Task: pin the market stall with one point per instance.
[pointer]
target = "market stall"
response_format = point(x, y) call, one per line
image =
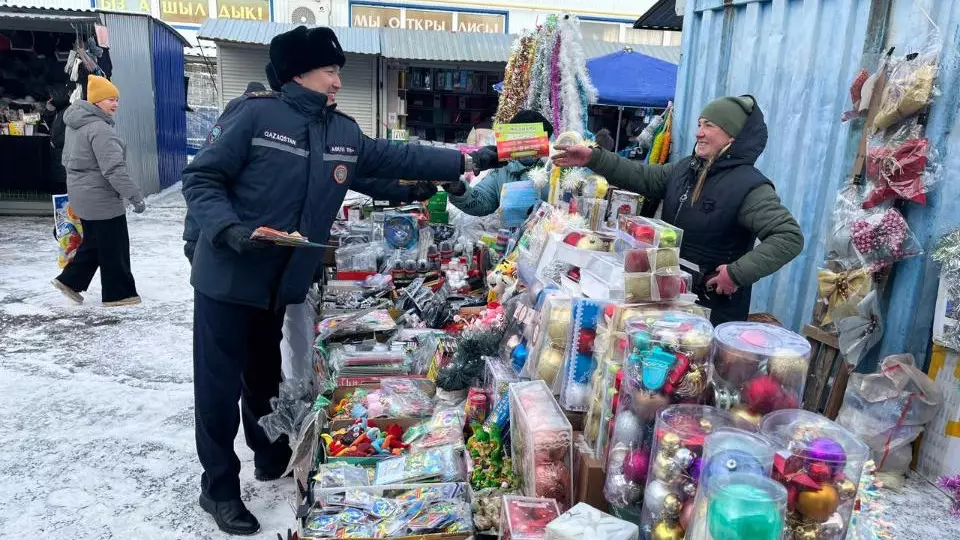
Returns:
point(45, 57)
point(547, 372)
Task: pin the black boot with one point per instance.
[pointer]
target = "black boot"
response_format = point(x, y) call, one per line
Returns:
point(271, 473)
point(232, 516)
point(270, 465)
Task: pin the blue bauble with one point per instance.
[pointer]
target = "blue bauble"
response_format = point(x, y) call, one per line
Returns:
point(731, 461)
point(519, 357)
point(582, 368)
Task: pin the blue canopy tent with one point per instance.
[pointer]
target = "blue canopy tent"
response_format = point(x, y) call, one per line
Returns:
point(630, 79)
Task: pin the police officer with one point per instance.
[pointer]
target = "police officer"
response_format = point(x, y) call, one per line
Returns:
point(282, 160)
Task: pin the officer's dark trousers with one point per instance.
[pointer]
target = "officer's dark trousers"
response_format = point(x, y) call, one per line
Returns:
point(236, 357)
point(105, 245)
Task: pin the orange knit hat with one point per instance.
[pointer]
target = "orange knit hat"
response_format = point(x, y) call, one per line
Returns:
point(99, 89)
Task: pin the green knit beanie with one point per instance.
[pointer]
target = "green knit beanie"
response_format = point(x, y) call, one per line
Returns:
point(729, 113)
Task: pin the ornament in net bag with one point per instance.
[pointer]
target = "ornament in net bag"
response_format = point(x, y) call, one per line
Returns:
point(897, 171)
point(882, 239)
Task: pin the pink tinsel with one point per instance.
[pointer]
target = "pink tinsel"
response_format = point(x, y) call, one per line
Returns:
point(555, 80)
point(952, 484)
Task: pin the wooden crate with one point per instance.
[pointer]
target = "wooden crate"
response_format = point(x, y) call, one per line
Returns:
point(828, 374)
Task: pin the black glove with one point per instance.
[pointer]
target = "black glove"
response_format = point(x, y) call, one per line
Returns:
point(457, 187)
point(422, 191)
point(188, 249)
point(485, 158)
point(237, 238)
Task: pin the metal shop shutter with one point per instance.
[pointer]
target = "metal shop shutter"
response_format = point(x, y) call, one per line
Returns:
point(238, 65)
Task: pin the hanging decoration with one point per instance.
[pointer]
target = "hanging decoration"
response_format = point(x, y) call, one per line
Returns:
point(516, 79)
point(861, 332)
point(840, 292)
point(547, 72)
point(947, 253)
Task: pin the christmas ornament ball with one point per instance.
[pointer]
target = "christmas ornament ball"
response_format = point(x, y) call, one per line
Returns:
point(829, 451)
point(744, 413)
point(686, 514)
point(846, 489)
point(667, 530)
point(646, 405)
point(637, 465)
point(788, 367)
point(731, 461)
point(741, 511)
point(549, 365)
point(654, 495)
point(818, 504)
point(558, 324)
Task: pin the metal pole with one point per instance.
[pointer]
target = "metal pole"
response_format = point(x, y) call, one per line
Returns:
point(616, 145)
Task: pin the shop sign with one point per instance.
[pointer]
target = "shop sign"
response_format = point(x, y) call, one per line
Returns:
point(375, 17)
point(480, 23)
point(418, 19)
point(138, 6)
point(184, 11)
point(246, 10)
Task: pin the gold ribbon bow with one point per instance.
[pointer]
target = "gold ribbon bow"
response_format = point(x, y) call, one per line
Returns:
point(840, 288)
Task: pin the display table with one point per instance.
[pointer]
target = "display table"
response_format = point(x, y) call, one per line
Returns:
point(26, 162)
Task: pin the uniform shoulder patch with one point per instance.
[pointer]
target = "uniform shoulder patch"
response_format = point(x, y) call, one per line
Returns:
point(214, 133)
point(260, 94)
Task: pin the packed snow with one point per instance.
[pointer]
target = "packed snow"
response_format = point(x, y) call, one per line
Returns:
point(96, 404)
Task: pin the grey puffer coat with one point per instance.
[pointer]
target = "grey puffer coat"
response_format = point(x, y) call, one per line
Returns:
point(95, 160)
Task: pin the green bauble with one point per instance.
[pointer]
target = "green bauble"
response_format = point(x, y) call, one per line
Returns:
point(743, 512)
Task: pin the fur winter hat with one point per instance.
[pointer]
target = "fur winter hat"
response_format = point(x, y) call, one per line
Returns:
point(526, 116)
point(301, 50)
point(272, 77)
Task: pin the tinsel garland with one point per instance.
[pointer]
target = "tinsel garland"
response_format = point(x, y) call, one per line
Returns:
point(665, 149)
point(539, 89)
point(546, 55)
point(947, 253)
point(516, 79)
point(576, 90)
point(555, 104)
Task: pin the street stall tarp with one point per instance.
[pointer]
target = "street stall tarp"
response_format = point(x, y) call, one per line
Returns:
point(632, 79)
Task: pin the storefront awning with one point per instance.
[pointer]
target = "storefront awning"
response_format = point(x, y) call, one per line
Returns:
point(661, 16)
point(41, 20)
point(353, 40)
point(445, 46)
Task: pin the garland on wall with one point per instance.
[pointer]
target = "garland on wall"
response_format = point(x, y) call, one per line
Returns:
point(547, 72)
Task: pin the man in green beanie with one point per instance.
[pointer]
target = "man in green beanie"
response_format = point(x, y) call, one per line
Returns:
point(719, 199)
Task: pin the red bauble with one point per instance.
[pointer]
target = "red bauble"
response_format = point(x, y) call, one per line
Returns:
point(763, 394)
point(645, 234)
point(573, 238)
point(585, 341)
point(636, 260)
point(671, 286)
point(819, 471)
point(610, 310)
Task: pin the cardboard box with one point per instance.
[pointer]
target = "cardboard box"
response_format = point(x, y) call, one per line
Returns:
point(940, 449)
point(588, 476)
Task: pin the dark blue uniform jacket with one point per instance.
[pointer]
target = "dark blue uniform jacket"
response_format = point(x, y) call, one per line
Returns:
point(285, 161)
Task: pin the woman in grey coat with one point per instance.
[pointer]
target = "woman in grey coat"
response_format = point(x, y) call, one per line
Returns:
point(97, 184)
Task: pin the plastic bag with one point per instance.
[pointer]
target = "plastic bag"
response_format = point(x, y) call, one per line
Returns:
point(888, 409)
point(838, 245)
point(290, 408)
point(883, 238)
point(340, 474)
point(900, 166)
point(862, 331)
point(404, 398)
point(909, 88)
point(840, 292)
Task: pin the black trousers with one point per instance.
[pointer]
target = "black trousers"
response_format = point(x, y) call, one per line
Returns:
point(106, 245)
point(236, 356)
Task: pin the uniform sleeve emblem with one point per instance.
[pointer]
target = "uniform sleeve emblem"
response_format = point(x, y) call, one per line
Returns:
point(340, 173)
point(214, 134)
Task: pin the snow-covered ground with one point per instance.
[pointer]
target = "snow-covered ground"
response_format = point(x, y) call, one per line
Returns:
point(96, 404)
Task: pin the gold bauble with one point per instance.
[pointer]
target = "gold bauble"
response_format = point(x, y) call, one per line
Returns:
point(743, 413)
point(846, 489)
point(669, 444)
point(818, 504)
point(666, 469)
point(706, 425)
point(787, 367)
point(558, 324)
point(549, 365)
point(667, 530)
point(671, 505)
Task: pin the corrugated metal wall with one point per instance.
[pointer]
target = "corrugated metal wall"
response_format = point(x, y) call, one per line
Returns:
point(797, 57)
point(171, 105)
point(239, 64)
point(136, 123)
point(914, 290)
